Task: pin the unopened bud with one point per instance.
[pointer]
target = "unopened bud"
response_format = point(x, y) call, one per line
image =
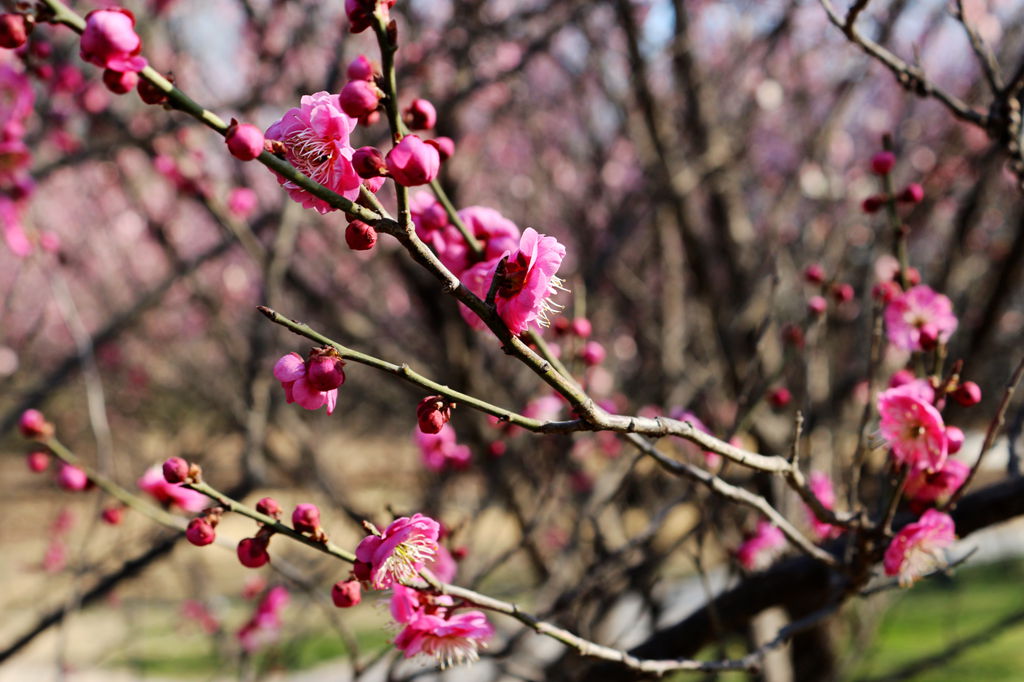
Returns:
point(346, 593)
point(252, 552)
point(433, 413)
point(13, 30)
point(873, 203)
point(359, 98)
point(120, 82)
point(368, 162)
point(306, 518)
point(270, 507)
point(780, 397)
point(420, 115)
point(814, 273)
point(445, 147)
point(912, 194)
point(38, 461)
point(882, 163)
point(72, 479)
point(360, 236)
point(245, 141)
point(967, 394)
point(200, 532)
point(175, 470)
point(325, 369)
point(361, 69)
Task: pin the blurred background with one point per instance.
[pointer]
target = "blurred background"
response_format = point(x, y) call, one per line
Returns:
point(694, 156)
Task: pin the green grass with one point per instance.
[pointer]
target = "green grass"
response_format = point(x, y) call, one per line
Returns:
point(939, 613)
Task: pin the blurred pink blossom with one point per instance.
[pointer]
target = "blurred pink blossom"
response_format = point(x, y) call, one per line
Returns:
point(440, 449)
point(916, 548)
point(154, 483)
point(761, 549)
point(919, 311)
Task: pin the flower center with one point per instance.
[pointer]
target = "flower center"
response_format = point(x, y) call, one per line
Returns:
point(312, 155)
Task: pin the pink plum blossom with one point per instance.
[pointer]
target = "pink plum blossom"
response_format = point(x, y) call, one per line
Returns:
point(925, 487)
point(761, 549)
point(401, 551)
point(155, 484)
point(528, 283)
point(242, 201)
point(109, 40)
point(916, 312)
point(264, 627)
point(316, 141)
point(915, 549)
point(452, 640)
point(291, 370)
point(913, 428)
point(821, 486)
point(440, 449)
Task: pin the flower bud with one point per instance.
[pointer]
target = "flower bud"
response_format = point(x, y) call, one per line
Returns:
point(149, 93)
point(252, 552)
point(361, 69)
point(175, 470)
point(817, 305)
point(779, 397)
point(120, 82)
point(593, 353)
point(244, 140)
point(954, 439)
point(359, 98)
point(360, 236)
point(325, 369)
point(112, 515)
point(420, 115)
point(306, 518)
point(433, 413)
point(368, 162)
point(913, 276)
point(33, 424)
point(270, 507)
point(445, 147)
point(413, 162)
point(581, 327)
point(793, 335)
point(814, 273)
point(72, 479)
point(967, 394)
point(13, 30)
point(346, 593)
point(200, 532)
point(873, 203)
point(362, 571)
point(912, 194)
point(885, 291)
point(882, 163)
point(109, 40)
point(38, 461)
point(842, 292)
point(360, 14)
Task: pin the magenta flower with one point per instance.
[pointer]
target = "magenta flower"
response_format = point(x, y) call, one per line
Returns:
point(528, 283)
point(912, 427)
point(109, 40)
point(915, 549)
point(299, 387)
point(452, 641)
point(316, 141)
point(918, 312)
point(925, 486)
point(155, 484)
point(413, 162)
point(440, 450)
point(821, 485)
point(398, 555)
point(761, 549)
point(264, 627)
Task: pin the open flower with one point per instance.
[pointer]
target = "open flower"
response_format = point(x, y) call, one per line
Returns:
point(526, 285)
point(316, 141)
point(440, 450)
point(919, 314)
point(916, 548)
point(761, 549)
point(913, 427)
point(925, 486)
point(452, 640)
point(401, 551)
